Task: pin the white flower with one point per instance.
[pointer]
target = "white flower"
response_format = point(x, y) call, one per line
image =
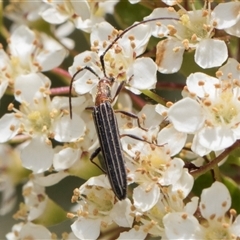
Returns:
point(81, 13)
point(97, 207)
point(212, 110)
point(40, 119)
point(226, 15)
point(8, 163)
point(214, 204)
point(50, 179)
point(169, 201)
point(135, 233)
point(28, 231)
point(35, 201)
point(151, 167)
point(194, 30)
point(120, 61)
point(29, 53)
point(172, 139)
point(24, 12)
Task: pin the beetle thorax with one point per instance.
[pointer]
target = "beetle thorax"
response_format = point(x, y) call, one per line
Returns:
point(103, 92)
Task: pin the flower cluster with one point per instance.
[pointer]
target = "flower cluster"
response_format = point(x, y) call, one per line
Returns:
point(168, 148)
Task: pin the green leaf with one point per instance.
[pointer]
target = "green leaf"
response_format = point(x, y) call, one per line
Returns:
point(189, 66)
point(84, 168)
point(122, 10)
point(234, 158)
point(53, 214)
point(203, 181)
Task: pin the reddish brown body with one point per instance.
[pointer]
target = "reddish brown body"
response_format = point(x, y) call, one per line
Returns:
point(103, 92)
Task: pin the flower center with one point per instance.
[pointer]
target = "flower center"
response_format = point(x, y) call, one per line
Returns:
point(193, 26)
point(217, 232)
point(224, 110)
point(40, 121)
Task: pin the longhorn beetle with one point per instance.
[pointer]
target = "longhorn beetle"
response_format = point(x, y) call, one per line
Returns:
point(106, 123)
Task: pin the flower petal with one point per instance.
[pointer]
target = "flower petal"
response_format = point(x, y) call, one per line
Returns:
point(69, 130)
point(169, 55)
point(186, 115)
point(37, 162)
point(215, 201)
point(9, 125)
point(120, 213)
point(86, 228)
point(144, 74)
point(217, 138)
point(207, 53)
point(143, 199)
point(226, 14)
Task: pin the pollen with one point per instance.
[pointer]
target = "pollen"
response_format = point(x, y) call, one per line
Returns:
point(131, 38)
point(224, 204)
point(224, 110)
point(12, 127)
point(39, 120)
point(10, 107)
point(87, 59)
point(184, 216)
point(212, 216)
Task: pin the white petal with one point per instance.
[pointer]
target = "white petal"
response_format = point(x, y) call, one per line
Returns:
point(207, 53)
point(184, 183)
point(170, 2)
point(21, 44)
point(81, 82)
point(50, 179)
point(28, 86)
point(82, 9)
point(191, 207)
point(145, 199)
point(169, 55)
point(51, 59)
point(69, 130)
point(52, 16)
point(8, 194)
point(86, 228)
point(100, 33)
point(173, 172)
point(37, 155)
point(179, 227)
point(230, 69)
point(207, 85)
point(160, 109)
point(215, 201)
point(216, 138)
point(235, 228)
point(174, 139)
point(66, 158)
point(162, 29)
point(134, 1)
point(78, 103)
point(101, 181)
point(234, 30)
point(186, 115)
point(120, 213)
point(133, 234)
point(33, 231)
point(152, 117)
point(8, 122)
point(226, 14)
point(198, 148)
point(141, 34)
point(144, 74)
